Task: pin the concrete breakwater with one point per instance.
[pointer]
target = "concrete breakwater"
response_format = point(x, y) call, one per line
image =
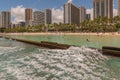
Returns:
point(44, 44)
point(112, 51)
point(106, 50)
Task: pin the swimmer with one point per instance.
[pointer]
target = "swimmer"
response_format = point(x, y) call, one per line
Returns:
point(87, 40)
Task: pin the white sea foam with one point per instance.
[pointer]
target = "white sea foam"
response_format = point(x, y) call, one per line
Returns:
point(7, 50)
point(76, 63)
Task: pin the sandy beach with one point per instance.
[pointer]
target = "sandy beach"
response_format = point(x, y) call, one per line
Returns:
point(64, 33)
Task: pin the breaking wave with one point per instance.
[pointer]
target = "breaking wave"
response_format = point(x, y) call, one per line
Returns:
point(75, 63)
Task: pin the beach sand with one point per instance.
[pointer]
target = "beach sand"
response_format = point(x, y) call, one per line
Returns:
point(64, 33)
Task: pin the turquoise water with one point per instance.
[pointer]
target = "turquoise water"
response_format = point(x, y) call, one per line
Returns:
point(94, 41)
point(20, 61)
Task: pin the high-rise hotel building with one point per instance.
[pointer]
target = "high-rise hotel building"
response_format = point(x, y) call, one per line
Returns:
point(39, 17)
point(0, 21)
point(42, 17)
point(103, 8)
point(28, 17)
point(71, 14)
point(48, 16)
point(82, 14)
point(6, 19)
point(118, 7)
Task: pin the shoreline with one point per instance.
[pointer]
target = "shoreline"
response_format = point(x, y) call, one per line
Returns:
point(64, 33)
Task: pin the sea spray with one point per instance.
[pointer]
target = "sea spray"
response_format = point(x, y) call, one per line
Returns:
point(75, 63)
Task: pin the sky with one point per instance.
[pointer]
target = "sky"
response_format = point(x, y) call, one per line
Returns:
point(17, 7)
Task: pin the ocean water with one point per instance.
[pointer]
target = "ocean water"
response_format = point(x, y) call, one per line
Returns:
point(21, 61)
point(77, 40)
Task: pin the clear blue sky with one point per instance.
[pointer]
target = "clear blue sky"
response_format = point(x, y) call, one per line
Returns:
point(42, 4)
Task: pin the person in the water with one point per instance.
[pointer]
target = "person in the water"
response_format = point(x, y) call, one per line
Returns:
point(87, 40)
